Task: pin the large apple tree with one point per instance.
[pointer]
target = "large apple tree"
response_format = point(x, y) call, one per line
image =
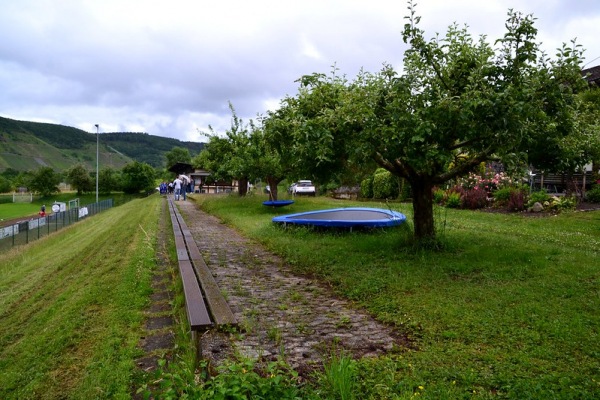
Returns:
point(457, 103)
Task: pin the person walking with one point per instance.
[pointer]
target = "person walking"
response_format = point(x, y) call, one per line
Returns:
point(184, 186)
point(177, 187)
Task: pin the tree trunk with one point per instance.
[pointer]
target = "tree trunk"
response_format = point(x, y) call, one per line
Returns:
point(423, 210)
point(272, 182)
point(243, 186)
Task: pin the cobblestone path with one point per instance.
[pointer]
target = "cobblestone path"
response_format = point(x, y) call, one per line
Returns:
point(280, 314)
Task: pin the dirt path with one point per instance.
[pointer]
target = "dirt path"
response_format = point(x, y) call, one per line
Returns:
point(280, 314)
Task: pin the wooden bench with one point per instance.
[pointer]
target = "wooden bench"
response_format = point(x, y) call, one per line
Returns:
point(205, 305)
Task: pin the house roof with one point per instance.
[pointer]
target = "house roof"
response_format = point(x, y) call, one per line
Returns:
point(181, 168)
point(592, 75)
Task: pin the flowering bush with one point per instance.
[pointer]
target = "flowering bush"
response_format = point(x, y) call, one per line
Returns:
point(488, 182)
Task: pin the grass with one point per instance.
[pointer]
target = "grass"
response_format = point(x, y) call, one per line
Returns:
point(71, 306)
point(10, 210)
point(507, 310)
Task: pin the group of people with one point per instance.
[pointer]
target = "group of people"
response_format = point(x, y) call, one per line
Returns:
point(180, 185)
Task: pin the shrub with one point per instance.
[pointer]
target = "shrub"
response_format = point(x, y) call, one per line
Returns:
point(502, 196)
point(593, 196)
point(438, 196)
point(453, 200)
point(474, 198)
point(385, 185)
point(5, 185)
point(366, 188)
point(516, 200)
point(561, 203)
point(538, 197)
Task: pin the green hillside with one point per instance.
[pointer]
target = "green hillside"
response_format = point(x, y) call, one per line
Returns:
point(28, 145)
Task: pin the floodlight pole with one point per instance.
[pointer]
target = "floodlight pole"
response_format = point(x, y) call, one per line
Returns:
point(97, 158)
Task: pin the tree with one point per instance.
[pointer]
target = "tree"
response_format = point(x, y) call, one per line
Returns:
point(44, 181)
point(108, 180)
point(229, 157)
point(5, 185)
point(137, 176)
point(178, 155)
point(79, 178)
point(458, 103)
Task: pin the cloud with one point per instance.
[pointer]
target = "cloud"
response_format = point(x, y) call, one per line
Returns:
point(171, 68)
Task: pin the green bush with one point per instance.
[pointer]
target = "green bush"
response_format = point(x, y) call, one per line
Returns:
point(385, 185)
point(502, 196)
point(453, 200)
point(561, 203)
point(366, 188)
point(593, 196)
point(5, 185)
point(438, 196)
point(538, 197)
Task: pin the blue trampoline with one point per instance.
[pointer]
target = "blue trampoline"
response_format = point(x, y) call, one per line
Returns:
point(351, 217)
point(278, 203)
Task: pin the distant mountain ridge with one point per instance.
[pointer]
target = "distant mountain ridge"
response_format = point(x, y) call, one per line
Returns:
point(26, 145)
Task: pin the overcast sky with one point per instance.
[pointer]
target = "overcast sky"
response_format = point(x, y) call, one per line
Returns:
point(170, 68)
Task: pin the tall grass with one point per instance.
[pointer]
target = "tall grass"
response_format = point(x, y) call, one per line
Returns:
point(507, 310)
point(71, 306)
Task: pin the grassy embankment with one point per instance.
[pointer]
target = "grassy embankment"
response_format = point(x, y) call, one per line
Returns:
point(508, 310)
point(71, 306)
point(10, 210)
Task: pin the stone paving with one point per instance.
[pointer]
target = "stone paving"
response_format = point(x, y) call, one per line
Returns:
point(279, 313)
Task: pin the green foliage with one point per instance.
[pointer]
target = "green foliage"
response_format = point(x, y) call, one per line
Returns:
point(385, 185)
point(240, 154)
point(44, 181)
point(366, 188)
point(340, 376)
point(501, 196)
point(178, 155)
point(79, 178)
point(137, 177)
point(453, 200)
point(235, 381)
point(439, 196)
point(540, 196)
point(5, 185)
point(108, 180)
point(593, 195)
point(458, 103)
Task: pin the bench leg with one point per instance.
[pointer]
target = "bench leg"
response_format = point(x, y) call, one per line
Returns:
point(196, 340)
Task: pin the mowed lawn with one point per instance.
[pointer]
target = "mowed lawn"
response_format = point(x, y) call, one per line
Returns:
point(71, 306)
point(509, 309)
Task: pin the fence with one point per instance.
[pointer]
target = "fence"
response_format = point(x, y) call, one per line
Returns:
point(24, 232)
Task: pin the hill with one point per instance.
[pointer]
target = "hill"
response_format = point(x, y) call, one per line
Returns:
point(26, 145)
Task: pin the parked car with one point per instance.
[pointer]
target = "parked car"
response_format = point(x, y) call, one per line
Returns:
point(304, 187)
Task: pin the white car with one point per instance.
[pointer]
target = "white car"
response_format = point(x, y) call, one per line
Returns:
point(304, 187)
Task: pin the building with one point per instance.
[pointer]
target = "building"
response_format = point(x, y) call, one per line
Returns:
point(202, 181)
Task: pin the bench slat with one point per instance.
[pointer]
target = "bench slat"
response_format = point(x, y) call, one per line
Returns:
point(219, 308)
point(198, 315)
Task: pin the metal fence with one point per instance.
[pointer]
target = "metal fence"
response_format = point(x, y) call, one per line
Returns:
point(26, 231)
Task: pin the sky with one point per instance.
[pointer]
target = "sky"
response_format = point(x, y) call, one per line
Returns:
point(171, 68)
